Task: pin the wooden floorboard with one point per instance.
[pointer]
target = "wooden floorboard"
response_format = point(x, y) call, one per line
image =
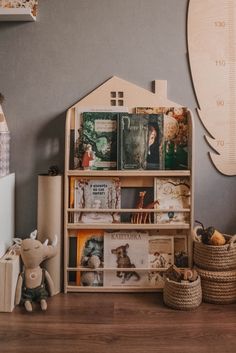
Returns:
point(118, 323)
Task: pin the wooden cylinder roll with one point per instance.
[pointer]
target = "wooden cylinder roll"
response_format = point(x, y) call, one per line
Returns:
point(50, 222)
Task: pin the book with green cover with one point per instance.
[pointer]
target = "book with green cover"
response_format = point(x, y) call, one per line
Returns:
point(141, 141)
point(98, 143)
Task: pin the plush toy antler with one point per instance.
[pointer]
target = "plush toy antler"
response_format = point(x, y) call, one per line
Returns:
point(34, 283)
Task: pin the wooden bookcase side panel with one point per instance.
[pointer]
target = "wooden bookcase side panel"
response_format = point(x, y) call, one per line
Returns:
point(192, 167)
point(68, 128)
point(133, 96)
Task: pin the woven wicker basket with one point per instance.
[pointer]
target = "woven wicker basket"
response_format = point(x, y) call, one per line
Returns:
point(182, 296)
point(215, 258)
point(218, 287)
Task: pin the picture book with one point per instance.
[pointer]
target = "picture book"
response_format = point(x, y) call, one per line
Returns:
point(97, 194)
point(175, 135)
point(160, 255)
point(173, 194)
point(97, 142)
point(160, 251)
point(78, 124)
point(124, 249)
point(89, 255)
point(141, 141)
point(181, 251)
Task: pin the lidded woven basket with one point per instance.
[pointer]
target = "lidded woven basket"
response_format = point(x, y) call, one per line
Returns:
point(182, 295)
point(212, 257)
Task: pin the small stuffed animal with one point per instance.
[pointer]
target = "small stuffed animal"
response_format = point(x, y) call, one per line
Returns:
point(34, 283)
point(216, 237)
point(210, 235)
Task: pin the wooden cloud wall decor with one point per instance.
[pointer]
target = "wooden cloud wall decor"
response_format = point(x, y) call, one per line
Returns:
point(211, 31)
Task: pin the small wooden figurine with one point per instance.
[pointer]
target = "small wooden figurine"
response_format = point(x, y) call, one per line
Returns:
point(146, 216)
point(137, 217)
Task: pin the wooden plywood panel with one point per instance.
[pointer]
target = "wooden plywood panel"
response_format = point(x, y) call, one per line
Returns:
point(212, 54)
point(116, 90)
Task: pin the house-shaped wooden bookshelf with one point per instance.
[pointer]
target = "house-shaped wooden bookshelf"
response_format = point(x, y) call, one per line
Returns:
point(116, 92)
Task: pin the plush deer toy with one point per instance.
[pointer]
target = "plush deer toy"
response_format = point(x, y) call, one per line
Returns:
point(34, 283)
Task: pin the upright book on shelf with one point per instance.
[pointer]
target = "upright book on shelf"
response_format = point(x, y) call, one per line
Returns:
point(97, 194)
point(98, 141)
point(77, 148)
point(141, 141)
point(173, 195)
point(125, 249)
point(160, 256)
point(176, 135)
point(89, 255)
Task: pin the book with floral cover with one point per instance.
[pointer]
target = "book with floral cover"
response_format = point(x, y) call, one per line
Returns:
point(173, 195)
point(176, 135)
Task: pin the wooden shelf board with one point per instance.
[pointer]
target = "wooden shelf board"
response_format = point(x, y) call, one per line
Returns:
point(127, 210)
point(18, 14)
point(131, 173)
point(76, 288)
point(86, 269)
point(126, 226)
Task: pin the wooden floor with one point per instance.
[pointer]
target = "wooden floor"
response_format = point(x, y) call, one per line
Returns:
point(117, 323)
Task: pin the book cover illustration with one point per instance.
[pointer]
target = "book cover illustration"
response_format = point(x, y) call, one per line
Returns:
point(78, 148)
point(173, 194)
point(180, 251)
point(160, 255)
point(155, 142)
point(175, 135)
point(97, 194)
point(98, 141)
point(141, 141)
point(125, 249)
point(90, 254)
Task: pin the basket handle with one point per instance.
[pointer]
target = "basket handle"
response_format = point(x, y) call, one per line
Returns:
point(232, 242)
point(194, 234)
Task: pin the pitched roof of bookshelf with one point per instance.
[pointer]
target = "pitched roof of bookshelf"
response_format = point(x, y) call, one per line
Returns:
point(116, 91)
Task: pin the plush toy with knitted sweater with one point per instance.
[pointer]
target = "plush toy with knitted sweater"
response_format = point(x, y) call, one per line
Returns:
point(34, 283)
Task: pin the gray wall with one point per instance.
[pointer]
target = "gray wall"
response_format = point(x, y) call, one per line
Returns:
point(73, 47)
